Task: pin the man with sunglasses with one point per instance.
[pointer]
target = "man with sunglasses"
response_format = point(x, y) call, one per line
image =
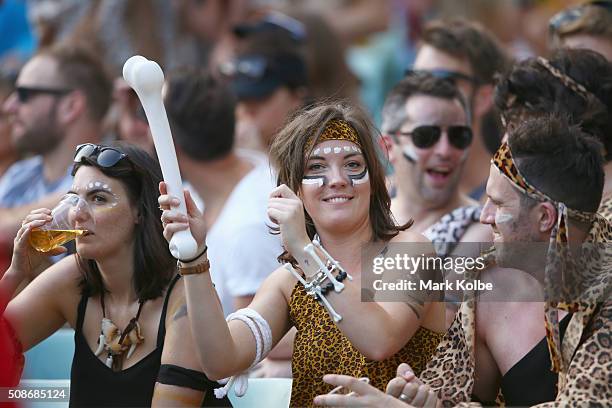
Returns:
point(427, 134)
point(61, 97)
point(466, 54)
point(585, 26)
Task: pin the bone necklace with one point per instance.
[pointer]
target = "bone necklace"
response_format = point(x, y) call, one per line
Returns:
point(117, 343)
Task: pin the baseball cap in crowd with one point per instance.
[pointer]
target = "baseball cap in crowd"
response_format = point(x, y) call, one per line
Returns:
point(273, 21)
point(255, 76)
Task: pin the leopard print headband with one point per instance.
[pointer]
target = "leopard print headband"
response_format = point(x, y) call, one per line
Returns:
point(336, 129)
point(566, 80)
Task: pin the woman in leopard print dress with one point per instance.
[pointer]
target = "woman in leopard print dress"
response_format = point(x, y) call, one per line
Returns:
point(330, 184)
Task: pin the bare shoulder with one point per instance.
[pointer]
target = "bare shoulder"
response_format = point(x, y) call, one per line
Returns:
point(55, 294)
point(510, 285)
point(62, 276)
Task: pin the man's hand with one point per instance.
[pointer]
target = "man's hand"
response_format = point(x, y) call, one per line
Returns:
point(362, 395)
point(408, 388)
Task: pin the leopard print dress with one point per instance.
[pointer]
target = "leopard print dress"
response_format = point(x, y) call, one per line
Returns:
point(320, 348)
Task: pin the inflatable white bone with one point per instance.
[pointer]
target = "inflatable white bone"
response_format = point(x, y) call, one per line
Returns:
point(147, 79)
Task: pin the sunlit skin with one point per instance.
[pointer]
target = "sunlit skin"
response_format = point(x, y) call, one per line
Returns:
point(514, 228)
point(338, 205)
point(110, 219)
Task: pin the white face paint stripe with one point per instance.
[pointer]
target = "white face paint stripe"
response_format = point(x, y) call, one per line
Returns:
point(319, 181)
point(327, 150)
point(316, 151)
point(503, 218)
point(361, 180)
point(409, 151)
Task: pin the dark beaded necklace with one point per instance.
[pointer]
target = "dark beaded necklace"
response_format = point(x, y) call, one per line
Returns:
point(330, 285)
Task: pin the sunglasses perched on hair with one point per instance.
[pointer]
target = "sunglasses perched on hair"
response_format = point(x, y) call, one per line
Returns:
point(445, 74)
point(25, 93)
point(573, 14)
point(105, 156)
point(427, 136)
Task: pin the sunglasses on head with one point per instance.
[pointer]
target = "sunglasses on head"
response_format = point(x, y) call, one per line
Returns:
point(427, 136)
point(573, 14)
point(25, 93)
point(445, 74)
point(105, 156)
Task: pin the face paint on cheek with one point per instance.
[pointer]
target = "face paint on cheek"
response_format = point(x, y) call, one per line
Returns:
point(503, 218)
point(360, 178)
point(410, 154)
point(319, 181)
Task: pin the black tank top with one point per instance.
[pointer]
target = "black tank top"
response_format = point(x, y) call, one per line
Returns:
point(93, 384)
point(530, 381)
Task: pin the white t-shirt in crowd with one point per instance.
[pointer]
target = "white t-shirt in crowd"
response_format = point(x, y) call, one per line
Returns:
point(241, 250)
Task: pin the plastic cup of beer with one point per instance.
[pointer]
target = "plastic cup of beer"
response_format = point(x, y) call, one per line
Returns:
point(61, 228)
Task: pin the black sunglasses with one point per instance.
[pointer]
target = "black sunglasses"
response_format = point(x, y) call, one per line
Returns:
point(25, 93)
point(105, 156)
point(445, 74)
point(427, 136)
point(572, 14)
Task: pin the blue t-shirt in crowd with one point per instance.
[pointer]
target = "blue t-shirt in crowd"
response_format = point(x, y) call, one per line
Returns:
point(24, 183)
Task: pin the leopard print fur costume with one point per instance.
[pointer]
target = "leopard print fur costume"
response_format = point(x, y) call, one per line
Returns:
point(605, 209)
point(320, 348)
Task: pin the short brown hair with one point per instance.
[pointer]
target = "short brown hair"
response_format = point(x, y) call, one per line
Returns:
point(288, 155)
point(394, 113)
point(560, 160)
point(80, 69)
point(462, 38)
